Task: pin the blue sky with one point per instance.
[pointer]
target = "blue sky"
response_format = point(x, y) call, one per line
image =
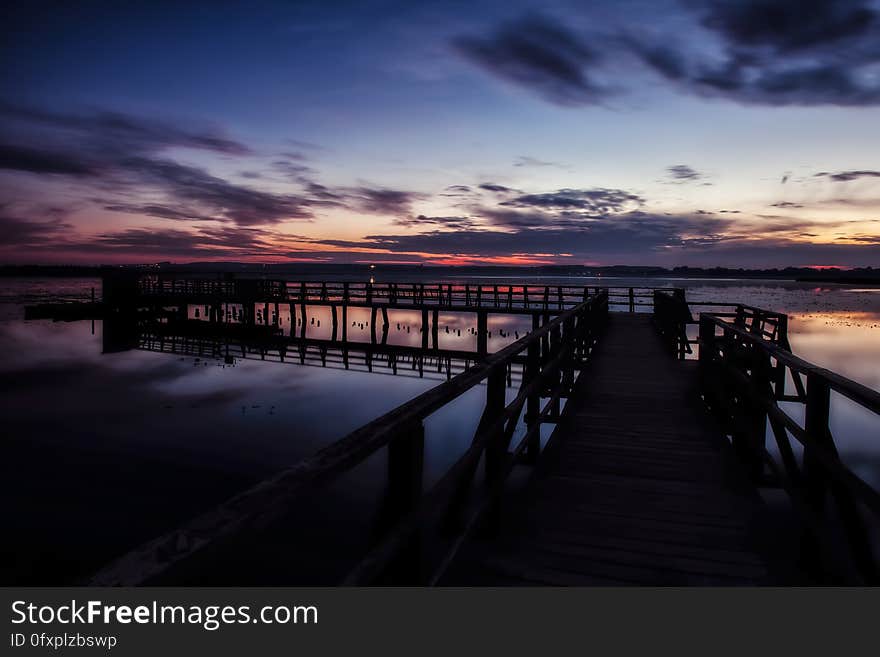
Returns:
point(700, 132)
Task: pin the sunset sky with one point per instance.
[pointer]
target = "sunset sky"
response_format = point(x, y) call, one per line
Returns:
point(679, 132)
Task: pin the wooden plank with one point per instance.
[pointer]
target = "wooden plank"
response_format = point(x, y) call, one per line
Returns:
point(637, 486)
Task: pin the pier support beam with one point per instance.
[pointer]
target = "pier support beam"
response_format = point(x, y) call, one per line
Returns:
point(482, 332)
point(424, 328)
point(385, 325)
point(435, 329)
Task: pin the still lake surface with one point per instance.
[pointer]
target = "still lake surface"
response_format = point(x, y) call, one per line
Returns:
point(105, 451)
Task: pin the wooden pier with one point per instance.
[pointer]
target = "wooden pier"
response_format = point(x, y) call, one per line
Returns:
point(631, 448)
point(638, 487)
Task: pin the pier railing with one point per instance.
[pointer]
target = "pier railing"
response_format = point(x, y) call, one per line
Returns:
point(442, 295)
point(746, 366)
point(673, 316)
point(457, 504)
point(456, 296)
point(225, 343)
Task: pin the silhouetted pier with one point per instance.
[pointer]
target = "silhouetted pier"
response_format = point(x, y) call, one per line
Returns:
point(614, 446)
point(636, 488)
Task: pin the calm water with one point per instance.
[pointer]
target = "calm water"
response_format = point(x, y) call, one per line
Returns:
point(104, 451)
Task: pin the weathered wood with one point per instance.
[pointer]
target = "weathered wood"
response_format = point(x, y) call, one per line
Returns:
point(268, 500)
point(635, 423)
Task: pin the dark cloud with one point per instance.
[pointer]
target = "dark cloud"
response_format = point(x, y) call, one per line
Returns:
point(846, 176)
point(20, 232)
point(452, 223)
point(293, 170)
point(788, 25)
point(786, 204)
point(498, 189)
point(776, 52)
point(540, 55)
point(228, 242)
point(654, 239)
point(600, 201)
point(379, 200)
point(20, 158)
point(683, 173)
point(124, 132)
point(122, 155)
point(225, 201)
point(159, 211)
point(621, 234)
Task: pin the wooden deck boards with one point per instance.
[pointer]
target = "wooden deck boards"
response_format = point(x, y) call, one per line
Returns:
point(637, 486)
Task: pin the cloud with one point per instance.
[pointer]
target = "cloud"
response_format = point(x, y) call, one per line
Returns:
point(761, 52)
point(19, 232)
point(124, 155)
point(293, 169)
point(379, 200)
point(159, 211)
point(224, 200)
point(456, 223)
point(124, 132)
point(600, 200)
point(776, 52)
point(846, 176)
point(788, 25)
point(498, 189)
point(622, 235)
point(20, 158)
point(228, 242)
point(683, 173)
point(526, 161)
point(540, 55)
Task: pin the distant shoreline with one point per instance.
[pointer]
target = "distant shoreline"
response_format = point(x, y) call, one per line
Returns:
point(860, 276)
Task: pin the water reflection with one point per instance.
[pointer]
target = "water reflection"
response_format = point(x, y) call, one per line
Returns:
point(106, 450)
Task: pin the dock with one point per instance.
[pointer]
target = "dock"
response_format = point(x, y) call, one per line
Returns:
point(630, 437)
point(638, 487)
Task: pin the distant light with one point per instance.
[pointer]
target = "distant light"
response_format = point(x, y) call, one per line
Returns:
point(372, 266)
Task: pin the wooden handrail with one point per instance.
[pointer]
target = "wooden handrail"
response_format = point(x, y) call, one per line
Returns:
point(400, 429)
point(743, 379)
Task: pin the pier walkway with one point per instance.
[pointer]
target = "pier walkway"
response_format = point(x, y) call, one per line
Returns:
point(637, 486)
point(612, 447)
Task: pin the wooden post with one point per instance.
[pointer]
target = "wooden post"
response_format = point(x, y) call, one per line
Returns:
point(405, 476)
point(816, 418)
point(533, 402)
point(707, 352)
point(424, 328)
point(632, 300)
point(482, 333)
point(373, 311)
point(335, 322)
point(345, 324)
point(496, 449)
point(435, 329)
point(757, 413)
